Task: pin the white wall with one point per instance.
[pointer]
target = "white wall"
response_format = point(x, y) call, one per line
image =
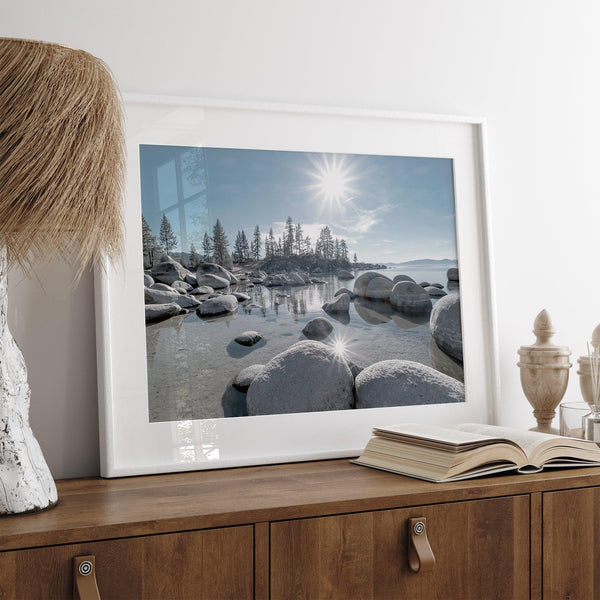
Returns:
point(529, 66)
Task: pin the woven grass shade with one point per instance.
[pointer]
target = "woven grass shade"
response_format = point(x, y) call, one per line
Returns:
point(61, 155)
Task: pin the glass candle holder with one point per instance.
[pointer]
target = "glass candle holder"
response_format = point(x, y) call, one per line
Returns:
point(571, 418)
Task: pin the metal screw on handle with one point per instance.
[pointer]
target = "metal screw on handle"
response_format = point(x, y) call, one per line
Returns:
point(84, 578)
point(419, 528)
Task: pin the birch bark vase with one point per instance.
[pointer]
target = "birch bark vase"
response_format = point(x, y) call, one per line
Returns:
point(26, 484)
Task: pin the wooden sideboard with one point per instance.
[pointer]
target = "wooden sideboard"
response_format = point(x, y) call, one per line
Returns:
point(325, 529)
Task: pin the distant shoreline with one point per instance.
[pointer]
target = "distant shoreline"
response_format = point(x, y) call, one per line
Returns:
point(425, 262)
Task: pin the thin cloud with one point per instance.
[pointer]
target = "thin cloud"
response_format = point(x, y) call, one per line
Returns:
point(366, 220)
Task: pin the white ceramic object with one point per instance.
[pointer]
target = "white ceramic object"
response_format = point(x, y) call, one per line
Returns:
point(26, 484)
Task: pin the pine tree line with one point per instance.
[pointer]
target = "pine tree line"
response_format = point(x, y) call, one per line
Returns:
point(215, 248)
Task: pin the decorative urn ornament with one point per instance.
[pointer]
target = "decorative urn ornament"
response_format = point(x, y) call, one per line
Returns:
point(62, 165)
point(544, 373)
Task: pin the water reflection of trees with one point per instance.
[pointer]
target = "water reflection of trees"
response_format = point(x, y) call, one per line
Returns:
point(153, 336)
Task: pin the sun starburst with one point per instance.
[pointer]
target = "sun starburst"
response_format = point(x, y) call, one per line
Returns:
point(333, 178)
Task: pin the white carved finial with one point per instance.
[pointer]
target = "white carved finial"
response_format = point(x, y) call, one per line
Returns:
point(543, 328)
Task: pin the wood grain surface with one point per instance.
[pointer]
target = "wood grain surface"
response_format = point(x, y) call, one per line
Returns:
point(481, 549)
point(571, 566)
point(99, 509)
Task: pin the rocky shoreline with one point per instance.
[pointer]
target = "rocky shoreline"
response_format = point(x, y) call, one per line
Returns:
point(313, 374)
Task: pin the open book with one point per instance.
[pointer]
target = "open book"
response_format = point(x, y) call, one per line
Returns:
point(471, 450)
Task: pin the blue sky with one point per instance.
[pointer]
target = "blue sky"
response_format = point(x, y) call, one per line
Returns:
point(387, 208)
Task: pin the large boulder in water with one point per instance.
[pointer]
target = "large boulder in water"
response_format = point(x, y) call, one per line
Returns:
point(452, 274)
point(248, 338)
point(296, 279)
point(317, 329)
point(403, 278)
point(241, 297)
point(445, 325)
point(276, 280)
point(434, 291)
point(405, 383)
point(182, 287)
point(160, 312)
point(214, 269)
point(154, 296)
point(187, 301)
point(162, 286)
point(306, 377)
point(344, 290)
point(246, 376)
point(410, 297)
point(202, 290)
point(213, 281)
point(343, 274)
point(218, 306)
point(168, 271)
point(340, 304)
point(362, 281)
point(379, 288)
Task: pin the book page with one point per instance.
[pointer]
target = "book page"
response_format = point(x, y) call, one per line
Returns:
point(527, 440)
point(437, 434)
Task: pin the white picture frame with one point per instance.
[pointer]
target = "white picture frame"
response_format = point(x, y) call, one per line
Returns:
point(130, 444)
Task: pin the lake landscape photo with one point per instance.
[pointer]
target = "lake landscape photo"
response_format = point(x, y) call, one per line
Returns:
point(285, 282)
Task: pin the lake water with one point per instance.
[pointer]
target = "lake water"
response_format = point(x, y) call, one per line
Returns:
point(192, 361)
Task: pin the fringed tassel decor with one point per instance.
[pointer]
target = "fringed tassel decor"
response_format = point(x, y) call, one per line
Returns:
point(61, 182)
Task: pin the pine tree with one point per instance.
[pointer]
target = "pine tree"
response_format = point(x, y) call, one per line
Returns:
point(207, 247)
point(343, 250)
point(241, 248)
point(288, 237)
point(319, 248)
point(194, 257)
point(272, 244)
point(256, 244)
point(149, 242)
point(327, 246)
point(245, 247)
point(299, 245)
point(336, 251)
point(307, 245)
point(238, 250)
point(355, 261)
point(220, 244)
point(166, 235)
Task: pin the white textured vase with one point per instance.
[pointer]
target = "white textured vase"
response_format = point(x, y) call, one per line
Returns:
point(26, 484)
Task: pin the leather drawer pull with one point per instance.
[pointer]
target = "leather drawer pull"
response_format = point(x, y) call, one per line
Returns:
point(84, 578)
point(420, 555)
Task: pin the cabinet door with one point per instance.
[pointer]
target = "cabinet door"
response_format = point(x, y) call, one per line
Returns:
point(571, 563)
point(481, 549)
point(216, 563)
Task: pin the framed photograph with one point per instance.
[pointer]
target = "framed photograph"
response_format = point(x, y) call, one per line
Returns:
point(294, 276)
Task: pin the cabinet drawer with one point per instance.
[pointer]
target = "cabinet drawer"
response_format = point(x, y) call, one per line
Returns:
point(210, 564)
point(571, 529)
point(481, 549)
